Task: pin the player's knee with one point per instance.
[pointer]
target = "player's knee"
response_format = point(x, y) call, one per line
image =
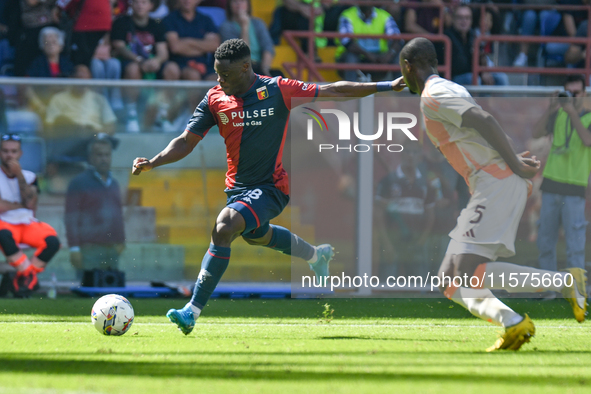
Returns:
point(258, 241)
point(223, 233)
point(7, 243)
point(52, 245)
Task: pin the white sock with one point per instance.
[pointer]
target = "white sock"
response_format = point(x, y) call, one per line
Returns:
point(483, 304)
point(314, 256)
point(196, 311)
point(515, 278)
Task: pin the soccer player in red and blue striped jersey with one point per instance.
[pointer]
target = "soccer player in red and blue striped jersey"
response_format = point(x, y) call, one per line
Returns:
point(251, 112)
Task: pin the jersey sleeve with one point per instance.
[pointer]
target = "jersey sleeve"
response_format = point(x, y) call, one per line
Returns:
point(445, 108)
point(291, 88)
point(202, 119)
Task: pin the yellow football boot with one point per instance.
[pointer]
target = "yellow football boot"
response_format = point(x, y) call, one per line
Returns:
point(576, 294)
point(515, 336)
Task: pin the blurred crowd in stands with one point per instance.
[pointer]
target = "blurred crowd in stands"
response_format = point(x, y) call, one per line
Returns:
point(175, 40)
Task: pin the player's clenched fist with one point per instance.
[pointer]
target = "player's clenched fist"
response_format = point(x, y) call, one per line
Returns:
point(398, 84)
point(140, 164)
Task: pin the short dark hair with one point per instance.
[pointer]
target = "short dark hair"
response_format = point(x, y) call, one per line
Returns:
point(576, 78)
point(233, 50)
point(100, 139)
point(420, 52)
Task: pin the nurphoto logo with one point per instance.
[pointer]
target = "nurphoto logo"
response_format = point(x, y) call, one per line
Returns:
point(395, 121)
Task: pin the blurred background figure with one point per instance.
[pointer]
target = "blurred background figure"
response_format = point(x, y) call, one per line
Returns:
point(462, 36)
point(566, 175)
point(405, 214)
point(139, 43)
point(72, 117)
point(192, 38)
point(240, 24)
point(94, 213)
point(364, 19)
point(52, 63)
point(25, 19)
point(425, 20)
point(18, 226)
point(92, 21)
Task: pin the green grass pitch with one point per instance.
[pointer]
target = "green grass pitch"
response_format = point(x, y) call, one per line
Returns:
point(285, 346)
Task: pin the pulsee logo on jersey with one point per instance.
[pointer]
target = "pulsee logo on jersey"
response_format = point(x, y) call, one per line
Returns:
point(246, 118)
point(344, 133)
point(223, 118)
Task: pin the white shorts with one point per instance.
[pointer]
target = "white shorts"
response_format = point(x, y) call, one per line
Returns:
point(488, 225)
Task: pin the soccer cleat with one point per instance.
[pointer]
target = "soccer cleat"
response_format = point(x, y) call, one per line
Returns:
point(576, 293)
point(25, 282)
point(515, 336)
point(183, 318)
point(324, 254)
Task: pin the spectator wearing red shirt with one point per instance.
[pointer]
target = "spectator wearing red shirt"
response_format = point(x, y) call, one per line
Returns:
point(92, 23)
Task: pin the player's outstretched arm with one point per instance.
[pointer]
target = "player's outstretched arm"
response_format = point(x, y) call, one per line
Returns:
point(359, 89)
point(177, 149)
point(491, 130)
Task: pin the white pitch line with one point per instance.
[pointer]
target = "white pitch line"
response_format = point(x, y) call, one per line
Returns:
point(19, 390)
point(311, 324)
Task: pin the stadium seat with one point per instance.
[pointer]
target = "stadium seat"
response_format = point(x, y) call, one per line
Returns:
point(327, 55)
point(186, 208)
point(217, 14)
point(23, 122)
point(34, 157)
point(262, 9)
point(283, 53)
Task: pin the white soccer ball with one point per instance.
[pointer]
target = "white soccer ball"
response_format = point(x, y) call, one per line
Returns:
point(112, 315)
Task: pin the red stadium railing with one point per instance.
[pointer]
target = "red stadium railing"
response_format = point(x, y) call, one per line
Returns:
point(307, 61)
point(477, 68)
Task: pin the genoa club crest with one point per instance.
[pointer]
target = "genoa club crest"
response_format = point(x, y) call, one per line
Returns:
point(262, 93)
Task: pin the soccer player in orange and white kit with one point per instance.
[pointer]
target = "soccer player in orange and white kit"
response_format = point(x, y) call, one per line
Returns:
point(477, 147)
